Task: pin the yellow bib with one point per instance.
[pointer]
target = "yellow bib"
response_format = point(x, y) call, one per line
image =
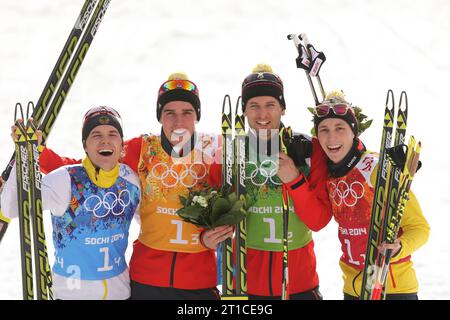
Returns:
point(163, 180)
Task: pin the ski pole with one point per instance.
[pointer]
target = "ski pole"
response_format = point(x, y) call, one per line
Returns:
point(302, 60)
point(285, 268)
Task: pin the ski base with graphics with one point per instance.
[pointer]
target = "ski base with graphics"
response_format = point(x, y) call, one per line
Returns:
point(32, 240)
point(392, 187)
point(233, 176)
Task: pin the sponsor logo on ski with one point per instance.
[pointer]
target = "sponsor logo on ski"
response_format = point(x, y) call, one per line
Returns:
point(242, 164)
point(37, 172)
point(25, 168)
point(81, 23)
point(100, 17)
point(229, 160)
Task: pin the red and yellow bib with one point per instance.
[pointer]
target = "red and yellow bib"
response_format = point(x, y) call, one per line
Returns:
point(351, 200)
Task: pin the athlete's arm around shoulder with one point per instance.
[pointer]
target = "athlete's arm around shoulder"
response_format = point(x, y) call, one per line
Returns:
point(309, 194)
point(131, 176)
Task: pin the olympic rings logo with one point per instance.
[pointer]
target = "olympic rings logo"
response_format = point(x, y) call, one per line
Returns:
point(111, 203)
point(267, 169)
point(347, 194)
point(188, 176)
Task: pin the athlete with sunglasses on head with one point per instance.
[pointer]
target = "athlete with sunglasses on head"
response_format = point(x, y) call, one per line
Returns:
point(92, 205)
point(171, 259)
point(350, 184)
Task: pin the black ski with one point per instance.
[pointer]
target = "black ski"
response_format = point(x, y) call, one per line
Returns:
point(393, 225)
point(227, 183)
point(233, 178)
point(376, 227)
point(30, 210)
point(58, 70)
point(23, 188)
point(241, 228)
point(76, 58)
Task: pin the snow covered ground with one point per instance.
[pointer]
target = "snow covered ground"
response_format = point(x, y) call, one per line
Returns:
point(371, 46)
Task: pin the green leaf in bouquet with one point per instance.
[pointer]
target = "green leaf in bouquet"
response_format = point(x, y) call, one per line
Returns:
point(232, 197)
point(191, 212)
point(239, 215)
point(184, 201)
point(238, 205)
point(230, 218)
point(195, 215)
point(203, 222)
point(220, 206)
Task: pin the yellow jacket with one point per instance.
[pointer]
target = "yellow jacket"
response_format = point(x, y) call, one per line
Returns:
point(351, 197)
point(402, 277)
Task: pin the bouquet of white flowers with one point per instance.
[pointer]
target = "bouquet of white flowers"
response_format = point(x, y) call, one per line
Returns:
point(210, 208)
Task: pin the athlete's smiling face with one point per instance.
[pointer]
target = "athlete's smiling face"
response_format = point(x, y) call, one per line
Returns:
point(336, 138)
point(178, 121)
point(264, 115)
point(104, 147)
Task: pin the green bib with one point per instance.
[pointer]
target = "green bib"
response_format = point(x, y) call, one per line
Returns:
point(265, 216)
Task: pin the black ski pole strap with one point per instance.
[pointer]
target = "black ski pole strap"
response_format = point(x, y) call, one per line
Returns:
point(309, 58)
point(397, 156)
point(317, 60)
point(303, 61)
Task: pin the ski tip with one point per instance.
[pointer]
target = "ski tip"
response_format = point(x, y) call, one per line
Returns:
point(403, 104)
point(225, 104)
point(390, 98)
point(238, 104)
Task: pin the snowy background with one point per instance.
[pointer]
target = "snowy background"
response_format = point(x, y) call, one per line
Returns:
point(371, 46)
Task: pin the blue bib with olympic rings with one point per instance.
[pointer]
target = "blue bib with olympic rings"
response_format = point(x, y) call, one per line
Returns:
point(92, 236)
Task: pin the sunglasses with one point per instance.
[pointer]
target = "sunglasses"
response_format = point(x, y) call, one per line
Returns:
point(99, 111)
point(262, 76)
point(178, 84)
point(339, 109)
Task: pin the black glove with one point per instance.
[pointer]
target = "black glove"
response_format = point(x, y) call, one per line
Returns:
point(397, 155)
point(298, 148)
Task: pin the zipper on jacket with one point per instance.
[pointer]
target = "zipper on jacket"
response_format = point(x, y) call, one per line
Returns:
point(172, 269)
point(270, 273)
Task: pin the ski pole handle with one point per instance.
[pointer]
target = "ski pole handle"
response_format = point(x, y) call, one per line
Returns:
point(296, 41)
point(298, 44)
point(298, 38)
point(304, 38)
